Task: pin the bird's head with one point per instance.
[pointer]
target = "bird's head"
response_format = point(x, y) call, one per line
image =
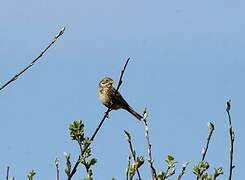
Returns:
point(106, 82)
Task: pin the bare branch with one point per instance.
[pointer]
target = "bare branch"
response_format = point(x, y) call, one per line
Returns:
point(121, 76)
point(182, 170)
point(16, 76)
point(106, 115)
point(153, 170)
point(232, 138)
point(210, 132)
point(205, 149)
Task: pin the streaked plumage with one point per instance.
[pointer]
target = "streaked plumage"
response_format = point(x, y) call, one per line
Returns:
point(110, 98)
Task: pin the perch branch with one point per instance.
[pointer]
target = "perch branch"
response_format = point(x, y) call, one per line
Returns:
point(106, 115)
point(121, 76)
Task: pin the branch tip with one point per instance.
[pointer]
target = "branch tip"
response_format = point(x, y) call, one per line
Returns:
point(15, 77)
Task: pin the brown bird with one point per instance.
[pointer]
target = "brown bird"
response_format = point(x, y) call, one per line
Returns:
point(113, 99)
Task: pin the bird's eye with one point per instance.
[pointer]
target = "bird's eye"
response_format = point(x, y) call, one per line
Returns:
point(105, 81)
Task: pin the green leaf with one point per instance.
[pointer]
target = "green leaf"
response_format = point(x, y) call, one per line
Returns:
point(140, 160)
point(196, 170)
point(170, 158)
point(77, 130)
point(203, 165)
point(170, 161)
point(161, 175)
point(200, 168)
point(132, 170)
point(219, 171)
point(92, 162)
point(31, 174)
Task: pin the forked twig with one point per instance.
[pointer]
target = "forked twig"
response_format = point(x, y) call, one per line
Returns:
point(16, 76)
point(106, 115)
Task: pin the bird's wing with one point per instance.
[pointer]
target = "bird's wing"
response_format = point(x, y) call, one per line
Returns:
point(118, 99)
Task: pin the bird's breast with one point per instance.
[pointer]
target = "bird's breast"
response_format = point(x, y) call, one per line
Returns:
point(103, 95)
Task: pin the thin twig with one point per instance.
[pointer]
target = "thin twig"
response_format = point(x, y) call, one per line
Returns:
point(134, 155)
point(166, 173)
point(210, 132)
point(121, 76)
point(232, 138)
point(153, 170)
point(205, 149)
point(15, 77)
point(127, 170)
point(182, 170)
point(106, 115)
point(57, 169)
point(7, 175)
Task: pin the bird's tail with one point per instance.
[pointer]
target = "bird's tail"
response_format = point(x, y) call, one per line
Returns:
point(133, 112)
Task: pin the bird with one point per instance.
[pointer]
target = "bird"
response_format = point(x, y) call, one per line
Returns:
point(112, 99)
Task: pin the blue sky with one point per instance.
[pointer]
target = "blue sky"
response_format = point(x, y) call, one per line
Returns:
point(187, 59)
